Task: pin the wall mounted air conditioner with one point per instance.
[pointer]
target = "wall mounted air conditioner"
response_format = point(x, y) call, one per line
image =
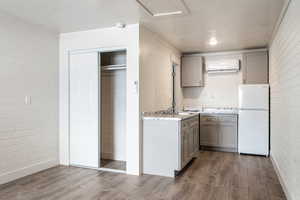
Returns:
point(222, 66)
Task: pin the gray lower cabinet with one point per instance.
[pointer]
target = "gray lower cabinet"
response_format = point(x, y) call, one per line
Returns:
point(219, 131)
point(190, 139)
point(196, 137)
point(209, 135)
point(227, 135)
point(185, 147)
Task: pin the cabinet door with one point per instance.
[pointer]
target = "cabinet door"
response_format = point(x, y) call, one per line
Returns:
point(196, 138)
point(255, 68)
point(209, 135)
point(228, 135)
point(191, 142)
point(192, 71)
point(185, 147)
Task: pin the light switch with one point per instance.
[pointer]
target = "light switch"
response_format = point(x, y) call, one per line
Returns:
point(27, 100)
point(136, 84)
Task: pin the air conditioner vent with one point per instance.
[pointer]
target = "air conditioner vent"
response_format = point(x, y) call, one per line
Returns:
point(226, 65)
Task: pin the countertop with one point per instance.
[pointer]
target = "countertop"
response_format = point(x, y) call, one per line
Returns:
point(229, 111)
point(155, 116)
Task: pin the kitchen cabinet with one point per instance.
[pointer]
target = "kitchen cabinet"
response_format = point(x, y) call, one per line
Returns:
point(209, 135)
point(192, 71)
point(190, 139)
point(227, 132)
point(255, 67)
point(169, 143)
point(219, 131)
point(191, 143)
point(209, 131)
point(196, 135)
point(185, 147)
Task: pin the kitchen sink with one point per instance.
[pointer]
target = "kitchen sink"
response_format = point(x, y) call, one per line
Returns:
point(167, 112)
point(184, 113)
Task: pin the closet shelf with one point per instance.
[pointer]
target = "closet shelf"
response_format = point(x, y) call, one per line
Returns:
point(113, 67)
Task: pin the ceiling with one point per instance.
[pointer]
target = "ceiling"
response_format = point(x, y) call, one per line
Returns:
point(236, 24)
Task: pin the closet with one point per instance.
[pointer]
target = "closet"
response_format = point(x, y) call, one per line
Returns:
point(98, 109)
point(113, 110)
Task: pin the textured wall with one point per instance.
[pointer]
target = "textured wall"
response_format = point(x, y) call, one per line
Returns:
point(285, 99)
point(156, 57)
point(28, 67)
point(113, 110)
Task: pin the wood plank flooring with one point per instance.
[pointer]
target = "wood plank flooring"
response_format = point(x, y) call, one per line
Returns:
point(211, 176)
point(113, 164)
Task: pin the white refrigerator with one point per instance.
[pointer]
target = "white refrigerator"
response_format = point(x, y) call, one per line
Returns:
point(253, 126)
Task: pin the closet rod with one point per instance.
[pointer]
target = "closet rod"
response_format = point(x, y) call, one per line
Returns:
point(112, 68)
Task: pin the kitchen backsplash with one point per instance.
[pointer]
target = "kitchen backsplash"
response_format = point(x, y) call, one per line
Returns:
point(220, 90)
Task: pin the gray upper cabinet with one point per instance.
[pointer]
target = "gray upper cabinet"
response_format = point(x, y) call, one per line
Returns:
point(255, 68)
point(192, 71)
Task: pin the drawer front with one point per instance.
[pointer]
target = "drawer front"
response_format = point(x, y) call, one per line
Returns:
point(228, 118)
point(207, 118)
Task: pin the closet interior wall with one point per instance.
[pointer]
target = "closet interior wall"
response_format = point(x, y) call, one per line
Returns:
point(113, 110)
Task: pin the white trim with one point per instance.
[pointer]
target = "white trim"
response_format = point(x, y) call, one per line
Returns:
point(28, 170)
point(100, 50)
point(225, 53)
point(101, 169)
point(279, 20)
point(281, 180)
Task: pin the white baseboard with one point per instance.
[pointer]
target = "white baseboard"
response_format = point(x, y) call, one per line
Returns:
point(28, 170)
point(281, 180)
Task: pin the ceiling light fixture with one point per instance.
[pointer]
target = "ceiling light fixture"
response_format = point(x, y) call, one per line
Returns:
point(213, 41)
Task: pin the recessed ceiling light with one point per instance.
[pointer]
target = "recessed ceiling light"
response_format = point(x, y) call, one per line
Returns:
point(213, 41)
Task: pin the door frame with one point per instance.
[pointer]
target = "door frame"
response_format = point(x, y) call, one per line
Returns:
point(99, 51)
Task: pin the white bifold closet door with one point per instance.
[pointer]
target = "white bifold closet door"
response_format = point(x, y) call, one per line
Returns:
point(84, 109)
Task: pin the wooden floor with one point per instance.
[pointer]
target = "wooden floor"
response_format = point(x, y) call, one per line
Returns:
point(213, 175)
point(113, 164)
